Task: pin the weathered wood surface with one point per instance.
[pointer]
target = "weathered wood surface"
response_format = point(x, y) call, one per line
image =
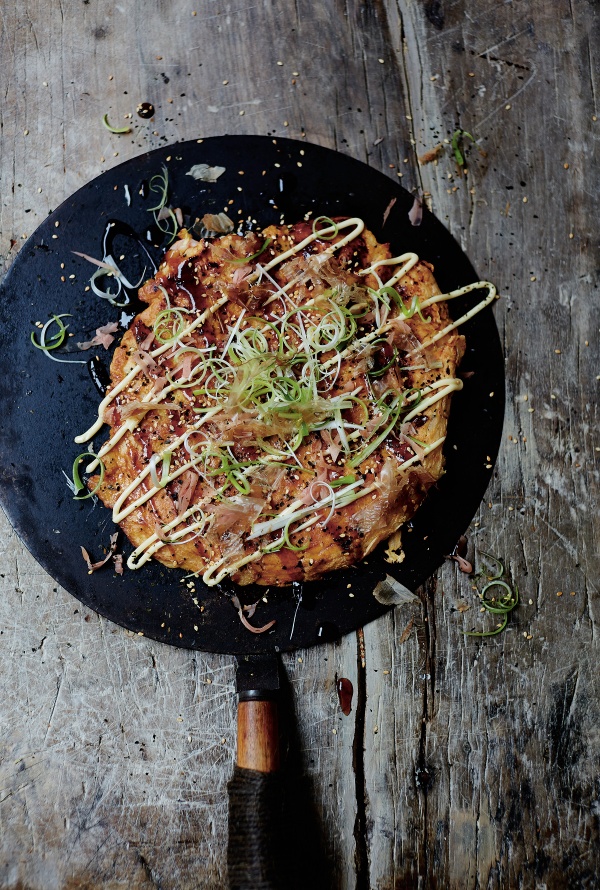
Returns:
point(464, 764)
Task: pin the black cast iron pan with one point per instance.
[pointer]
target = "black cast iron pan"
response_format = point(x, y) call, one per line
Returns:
point(45, 405)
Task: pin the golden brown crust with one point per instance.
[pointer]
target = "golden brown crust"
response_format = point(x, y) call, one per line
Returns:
point(196, 277)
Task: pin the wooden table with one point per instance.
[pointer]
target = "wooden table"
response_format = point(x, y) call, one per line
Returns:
point(465, 763)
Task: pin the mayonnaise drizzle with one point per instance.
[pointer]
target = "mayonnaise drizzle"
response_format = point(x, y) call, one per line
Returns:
point(211, 580)
point(408, 260)
point(119, 514)
point(153, 544)
point(89, 434)
point(450, 296)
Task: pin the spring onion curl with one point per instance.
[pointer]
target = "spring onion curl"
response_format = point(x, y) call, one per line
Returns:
point(166, 464)
point(56, 340)
point(107, 267)
point(169, 325)
point(78, 485)
point(501, 604)
point(485, 572)
point(159, 183)
point(330, 230)
point(164, 217)
point(120, 131)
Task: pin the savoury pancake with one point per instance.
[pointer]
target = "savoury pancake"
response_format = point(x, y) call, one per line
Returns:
point(279, 407)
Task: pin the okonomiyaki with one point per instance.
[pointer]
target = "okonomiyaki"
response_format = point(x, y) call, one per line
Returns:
point(280, 406)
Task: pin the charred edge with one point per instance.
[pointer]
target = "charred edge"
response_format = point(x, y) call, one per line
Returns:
point(424, 774)
point(361, 855)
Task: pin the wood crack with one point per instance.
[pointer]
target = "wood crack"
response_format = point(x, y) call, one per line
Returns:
point(424, 774)
point(361, 854)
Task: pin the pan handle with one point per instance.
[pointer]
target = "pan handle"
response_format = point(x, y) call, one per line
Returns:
point(255, 796)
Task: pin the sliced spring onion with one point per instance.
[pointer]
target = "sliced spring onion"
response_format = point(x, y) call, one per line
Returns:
point(164, 474)
point(285, 540)
point(343, 480)
point(57, 339)
point(160, 184)
point(169, 226)
point(394, 413)
point(386, 367)
point(485, 572)
point(457, 138)
point(407, 312)
point(497, 606)
point(118, 130)
point(330, 230)
point(46, 346)
point(169, 325)
point(78, 484)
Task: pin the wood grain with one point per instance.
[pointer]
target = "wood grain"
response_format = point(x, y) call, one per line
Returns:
point(465, 762)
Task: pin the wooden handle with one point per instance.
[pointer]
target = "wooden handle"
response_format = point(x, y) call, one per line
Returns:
point(258, 736)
